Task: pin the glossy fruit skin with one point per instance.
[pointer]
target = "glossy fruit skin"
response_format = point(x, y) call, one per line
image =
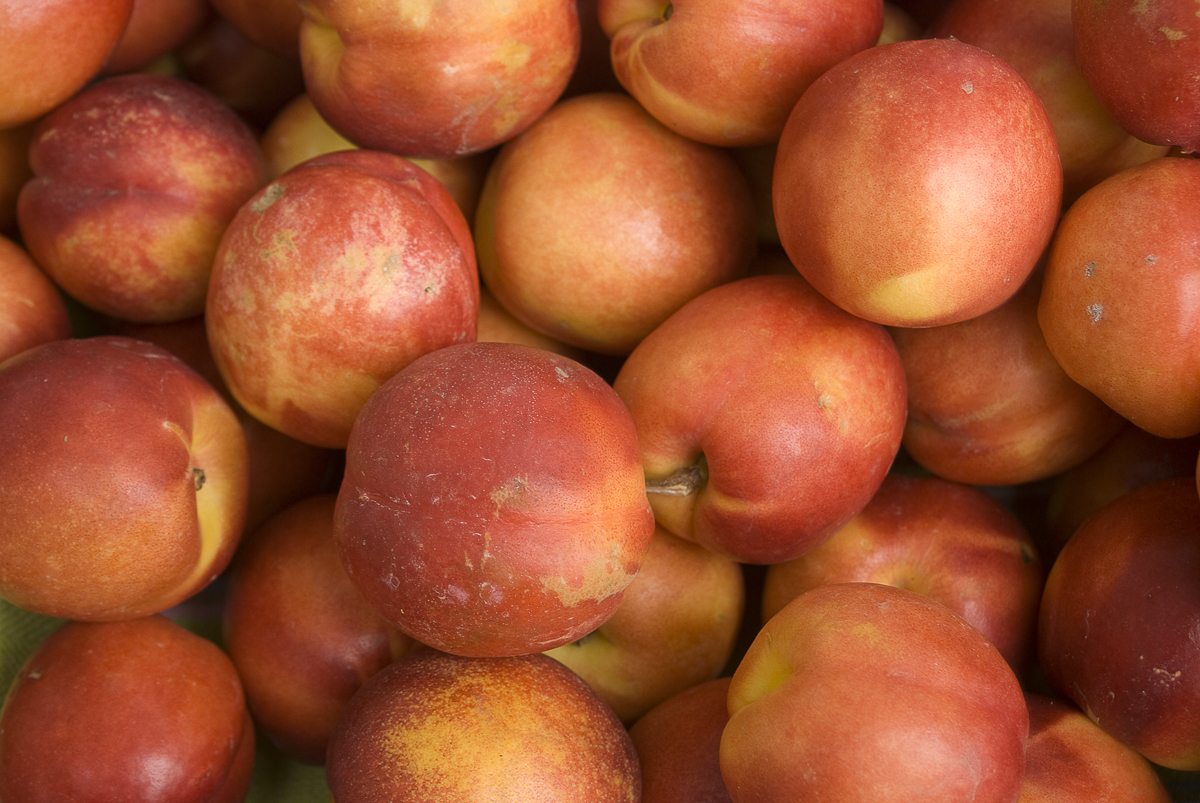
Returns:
point(1118, 617)
point(140, 710)
point(917, 203)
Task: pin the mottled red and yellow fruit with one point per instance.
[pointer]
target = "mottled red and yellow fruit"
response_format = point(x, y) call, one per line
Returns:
point(917, 202)
point(134, 182)
point(329, 281)
point(493, 501)
point(448, 729)
point(436, 80)
point(124, 479)
point(728, 73)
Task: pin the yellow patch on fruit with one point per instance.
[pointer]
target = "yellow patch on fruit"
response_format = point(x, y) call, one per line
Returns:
point(916, 296)
point(769, 669)
point(476, 742)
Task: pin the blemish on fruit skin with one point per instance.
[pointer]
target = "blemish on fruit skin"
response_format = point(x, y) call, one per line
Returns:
point(1089, 269)
point(968, 87)
point(269, 196)
point(1094, 311)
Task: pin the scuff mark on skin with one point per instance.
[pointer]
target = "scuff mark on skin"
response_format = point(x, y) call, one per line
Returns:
point(1095, 311)
point(269, 196)
point(510, 494)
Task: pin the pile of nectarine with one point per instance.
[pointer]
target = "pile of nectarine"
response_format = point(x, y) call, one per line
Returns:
point(720, 401)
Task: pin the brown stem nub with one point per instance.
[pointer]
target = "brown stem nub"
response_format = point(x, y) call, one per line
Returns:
point(683, 482)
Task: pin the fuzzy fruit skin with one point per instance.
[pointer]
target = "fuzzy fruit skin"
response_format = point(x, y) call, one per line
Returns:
point(867, 691)
point(141, 710)
point(1159, 101)
point(50, 50)
point(1118, 619)
point(135, 179)
point(448, 729)
point(783, 410)
point(330, 280)
point(493, 501)
point(1117, 306)
point(124, 478)
point(436, 80)
point(917, 203)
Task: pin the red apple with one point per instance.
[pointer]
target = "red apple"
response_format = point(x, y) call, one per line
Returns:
point(1131, 459)
point(298, 133)
point(332, 278)
point(302, 637)
point(32, 310)
point(598, 222)
point(123, 479)
point(917, 202)
point(863, 691)
point(678, 743)
point(1139, 58)
point(950, 542)
point(1119, 618)
point(493, 502)
point(728, 72)
point(988, 404)
point(50, 49)
point(437, 80)
point(448, 729)
point(134, 182)
point(1117, 306)
point(155, 29)
point(1070, 760)
point(677, 626)
point(766, 417)
point(141, 710)
point(1037, 39)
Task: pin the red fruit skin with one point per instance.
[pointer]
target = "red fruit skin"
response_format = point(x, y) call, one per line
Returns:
point(1118, 619)
point(141, 711)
